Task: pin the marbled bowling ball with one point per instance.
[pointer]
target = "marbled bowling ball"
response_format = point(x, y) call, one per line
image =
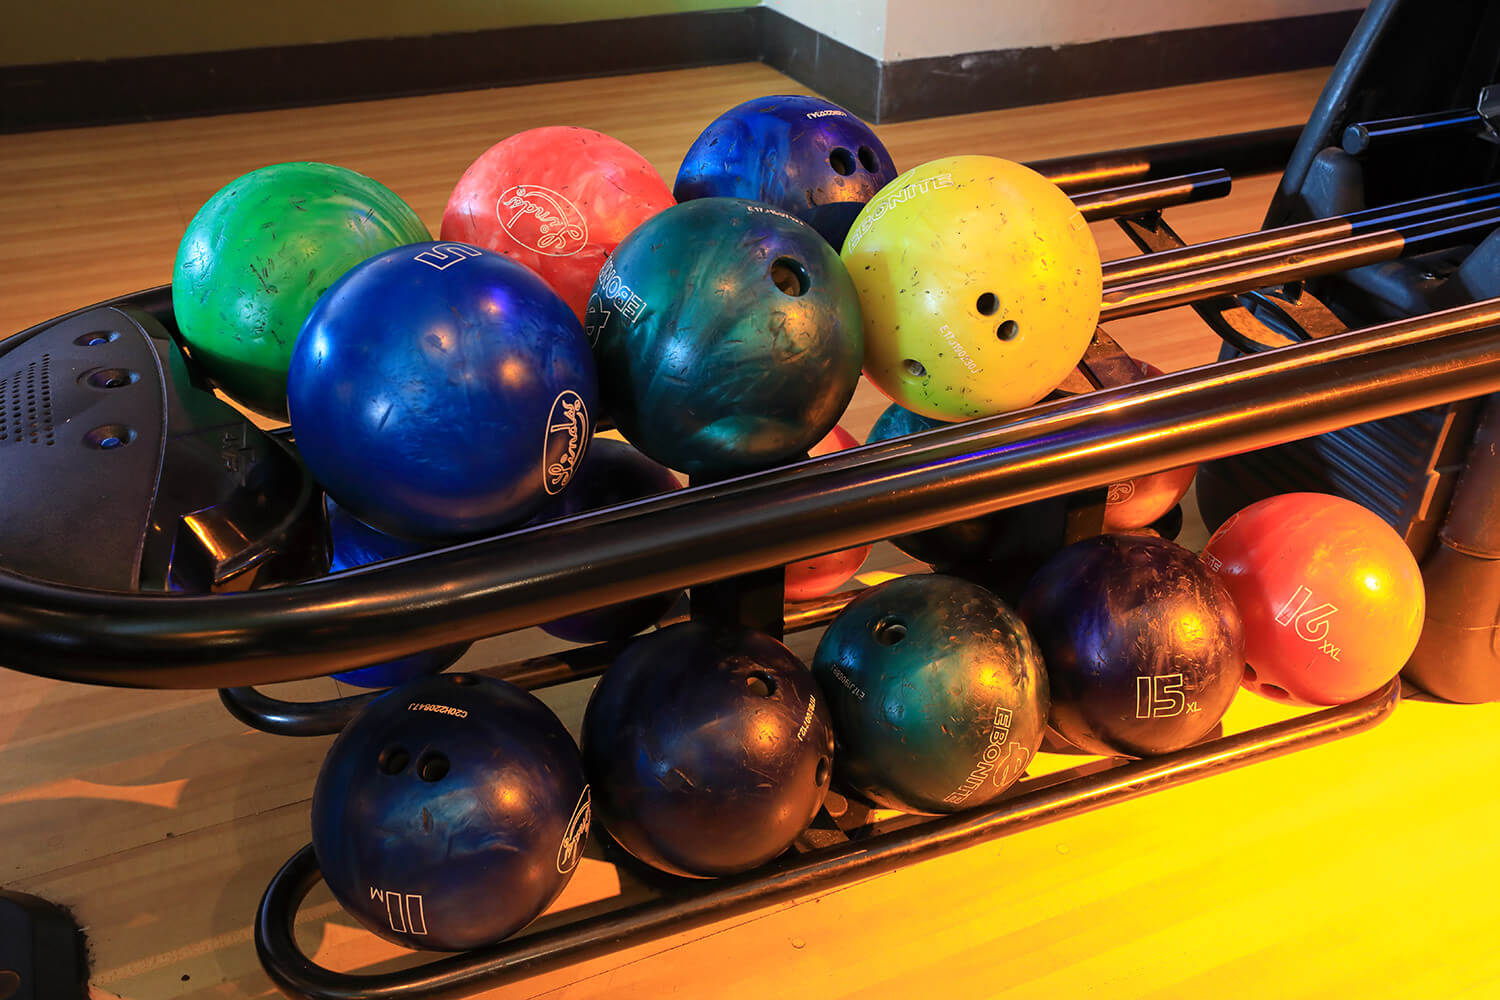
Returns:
point(1144, 646)
point(558, 199)
point(727, 335)
point(709, 748)
point(441, 391)
point(450, 812)
point(939, 696)
point(803, 155)
point(260, 253)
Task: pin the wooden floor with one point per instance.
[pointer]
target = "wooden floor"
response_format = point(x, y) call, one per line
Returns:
point(1368, 868)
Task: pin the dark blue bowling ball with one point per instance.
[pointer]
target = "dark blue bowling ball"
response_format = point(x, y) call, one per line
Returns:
point(612, 473)
point(441, 391)
point(709, 749)
point(803, 155)
point(450, 812)
point(999, 550)
point(1144, 646)
point(357, 544)
point(728, 337)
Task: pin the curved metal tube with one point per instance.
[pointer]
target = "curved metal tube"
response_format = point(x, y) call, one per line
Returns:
point(711, 532)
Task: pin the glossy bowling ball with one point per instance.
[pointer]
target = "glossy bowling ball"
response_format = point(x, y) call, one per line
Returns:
point(803, 155)
point(980, 285)
point(727, 336)
point(355, 543)
point(709, 749)
point(1010, 544)
point(1141, 501)
point(822, 575)
point(559, 200)
point(1332, 598)
point(439, 391)
point(260, 252)
point(450, 812)
point(1144, 647)
point(612, 473)
point(938, 694)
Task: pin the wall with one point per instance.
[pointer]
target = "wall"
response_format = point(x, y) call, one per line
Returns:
point(892, 30)
point(52, 31)
point(887, 30)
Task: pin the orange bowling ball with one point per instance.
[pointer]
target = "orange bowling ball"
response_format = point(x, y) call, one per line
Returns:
point(1331, 597)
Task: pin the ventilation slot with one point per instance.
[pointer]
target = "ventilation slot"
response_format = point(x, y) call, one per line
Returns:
point(26, 404)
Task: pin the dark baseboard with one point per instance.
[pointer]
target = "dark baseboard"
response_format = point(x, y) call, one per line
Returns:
point(984, 81)
point(61, 95)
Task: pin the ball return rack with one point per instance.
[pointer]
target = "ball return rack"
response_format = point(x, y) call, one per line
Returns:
point(1320, 337)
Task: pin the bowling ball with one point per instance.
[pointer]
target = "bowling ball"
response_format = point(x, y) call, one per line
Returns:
point(1143, 645)
point(1332, 598)
point(450, 812)
point(803, 155)
point(709, 748)
point(1143, 500)
point(727, 335)
point(439, 391)
point(822, 575)
point(260, 252)
point(938, 694)
point(557, 199)
point(1012, 544)
point(980, 285)
point(357, 544)
point(611, 473)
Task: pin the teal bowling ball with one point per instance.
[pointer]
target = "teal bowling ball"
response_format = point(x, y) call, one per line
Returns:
point(727, 336)
point(938, 694)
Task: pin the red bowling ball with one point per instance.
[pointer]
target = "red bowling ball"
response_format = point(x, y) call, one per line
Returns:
point(1331, 597)
point(1140, 501)
point(557, 199)
point(822, 575)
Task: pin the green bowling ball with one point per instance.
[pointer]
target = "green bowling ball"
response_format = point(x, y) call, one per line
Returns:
point(257, 256)
point(938, 694)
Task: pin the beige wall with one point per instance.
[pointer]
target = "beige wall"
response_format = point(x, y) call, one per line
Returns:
point(60, 30)
point(892, 30)
point(47, 31)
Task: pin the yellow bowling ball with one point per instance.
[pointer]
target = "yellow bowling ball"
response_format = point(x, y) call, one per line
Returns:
point(980, 285)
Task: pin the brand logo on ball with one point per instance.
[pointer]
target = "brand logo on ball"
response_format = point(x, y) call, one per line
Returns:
point(1120, 492)
point(540, 219)
point(570, 852)
point(567, 429)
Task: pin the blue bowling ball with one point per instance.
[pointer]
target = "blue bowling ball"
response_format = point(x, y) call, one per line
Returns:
point(728, 337)
point(450, 812)
point(612, 473)
point(804, 155)
point(354, 544)
point(439, 391)
point(709, 748)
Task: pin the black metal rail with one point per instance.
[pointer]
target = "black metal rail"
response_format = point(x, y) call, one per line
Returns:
point(1033, 804)
point(712, 532)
